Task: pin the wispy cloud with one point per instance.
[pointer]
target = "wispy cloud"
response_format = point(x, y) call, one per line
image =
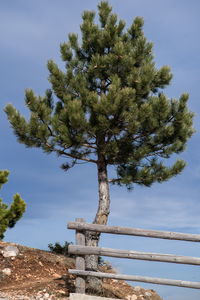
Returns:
point(166, 209)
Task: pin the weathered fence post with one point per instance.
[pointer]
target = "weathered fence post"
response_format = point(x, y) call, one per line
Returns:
point(80, 260)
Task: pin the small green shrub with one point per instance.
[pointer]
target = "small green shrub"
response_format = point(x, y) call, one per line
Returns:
point(101, 262)
point(59, 249)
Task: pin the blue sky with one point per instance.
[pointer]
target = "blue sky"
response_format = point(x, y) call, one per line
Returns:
point(31, 32)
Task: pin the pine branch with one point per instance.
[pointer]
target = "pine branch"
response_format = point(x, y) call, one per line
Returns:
point(73, 93)
point(89, 146)
point(118, 180)
point(62, 152)
point(49, 128)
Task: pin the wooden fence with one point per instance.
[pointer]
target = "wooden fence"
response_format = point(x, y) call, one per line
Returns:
point(80, 250)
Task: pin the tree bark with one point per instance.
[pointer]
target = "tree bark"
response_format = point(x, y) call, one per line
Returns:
point(92, 238)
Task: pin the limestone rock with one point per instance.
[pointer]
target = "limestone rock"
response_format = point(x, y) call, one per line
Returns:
point(133, 297)
point(10, 251)
point(6, 271)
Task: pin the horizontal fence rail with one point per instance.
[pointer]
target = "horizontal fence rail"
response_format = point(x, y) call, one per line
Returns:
point(161, 281)
point(100, 251)
point(80, 250)
point(135, 232)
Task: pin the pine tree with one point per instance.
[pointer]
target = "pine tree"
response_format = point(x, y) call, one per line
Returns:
point(9, 216)
point(110, 109)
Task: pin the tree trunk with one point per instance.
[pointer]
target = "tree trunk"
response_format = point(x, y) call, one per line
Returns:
point(92, 238)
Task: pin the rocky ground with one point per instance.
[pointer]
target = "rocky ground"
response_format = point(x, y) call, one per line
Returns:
point(33, 274)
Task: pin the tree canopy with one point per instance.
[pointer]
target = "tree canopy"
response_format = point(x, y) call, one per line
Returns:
point(9, 216)
point(109, 101)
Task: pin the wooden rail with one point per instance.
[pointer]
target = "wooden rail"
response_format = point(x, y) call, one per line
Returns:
point(100, 251)
point(81, 250)
point(180, 283)
point(135, 232)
